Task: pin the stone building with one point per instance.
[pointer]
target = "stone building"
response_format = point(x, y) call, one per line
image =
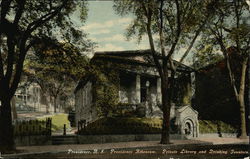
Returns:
point(130, 78)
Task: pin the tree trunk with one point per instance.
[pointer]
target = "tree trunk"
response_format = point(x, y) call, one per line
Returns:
point(6, 133)
point(165, 136)
point(241, 99)
point(239, 95)
point(243, 131)
point(55, 104)
point(45, 102)
point(163, 72)
point(13, 106)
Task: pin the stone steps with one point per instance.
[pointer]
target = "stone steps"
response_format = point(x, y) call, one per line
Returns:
point(64, 139)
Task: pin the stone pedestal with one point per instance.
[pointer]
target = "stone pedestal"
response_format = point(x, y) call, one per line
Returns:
point(138, 89)
point(159, 96)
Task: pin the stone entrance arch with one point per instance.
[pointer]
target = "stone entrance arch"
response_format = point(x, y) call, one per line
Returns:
point(187, 121)
point(188, 128)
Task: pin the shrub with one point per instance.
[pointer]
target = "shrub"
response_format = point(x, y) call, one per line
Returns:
point(207, 126)
point(32, 127)
point(122, 125)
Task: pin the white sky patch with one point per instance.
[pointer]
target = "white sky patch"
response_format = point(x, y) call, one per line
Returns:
point(62, 41)
point(125, 20)
point(102, 31)
point(107, 24)
point(93, 38)
point(248, 3)
point(109, 47)
point(116, 37)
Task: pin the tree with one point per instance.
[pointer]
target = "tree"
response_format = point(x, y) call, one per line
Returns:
point(230, 30)
point(22, 22)
point(174, 22)
point(205, 55)
point(56, 67)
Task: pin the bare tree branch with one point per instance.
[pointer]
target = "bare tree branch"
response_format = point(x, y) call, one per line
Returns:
point(226, 29)
point(170, 26)
point(5, 6)
point(148, 14)
point(231, 75)
point(193, 40)
point(32, 26)
point(21, 4)
point(161, 30)
point(1, 61)
point(178, 31)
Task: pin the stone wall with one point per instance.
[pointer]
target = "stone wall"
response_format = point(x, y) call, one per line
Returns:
point(85, 109)
point(90, 139)
point(33, 140)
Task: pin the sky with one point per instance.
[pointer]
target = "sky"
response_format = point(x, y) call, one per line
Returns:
point(107, 28)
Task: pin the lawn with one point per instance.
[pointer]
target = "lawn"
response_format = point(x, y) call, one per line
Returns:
point(58, 120)
point(133, 125)
point(122, 125)
point(207, 126)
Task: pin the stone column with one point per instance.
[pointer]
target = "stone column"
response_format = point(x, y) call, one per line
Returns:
point(192, 75)
point(138, 89)
point(158, 98)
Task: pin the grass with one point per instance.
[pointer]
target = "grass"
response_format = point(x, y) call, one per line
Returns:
point(206, 126)
point(122, 125)
point(58, 121)
point(132, 125)
point(145, 124)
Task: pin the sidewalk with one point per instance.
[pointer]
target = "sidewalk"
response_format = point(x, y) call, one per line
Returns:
point(224, 140)
point(135, 144)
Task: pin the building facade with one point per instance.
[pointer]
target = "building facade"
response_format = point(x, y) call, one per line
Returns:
point(130, 80)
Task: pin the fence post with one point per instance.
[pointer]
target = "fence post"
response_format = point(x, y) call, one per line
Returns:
point(78, 126)
point(50, 126)
point(64, 129)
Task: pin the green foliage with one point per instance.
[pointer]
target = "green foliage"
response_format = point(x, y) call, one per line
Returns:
point(40, 25)
point(230, 34)
point(123, 126)
point(106, 87)
point(230, 27)
point(133, 125)
point(206, 126)
point(23, 23)
point(126, 110)
point(56, 67)
point(58, 121)
point(39, 126)
point(32, 127)
point(206, 55)
point(51, 57)
point(191, 13)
